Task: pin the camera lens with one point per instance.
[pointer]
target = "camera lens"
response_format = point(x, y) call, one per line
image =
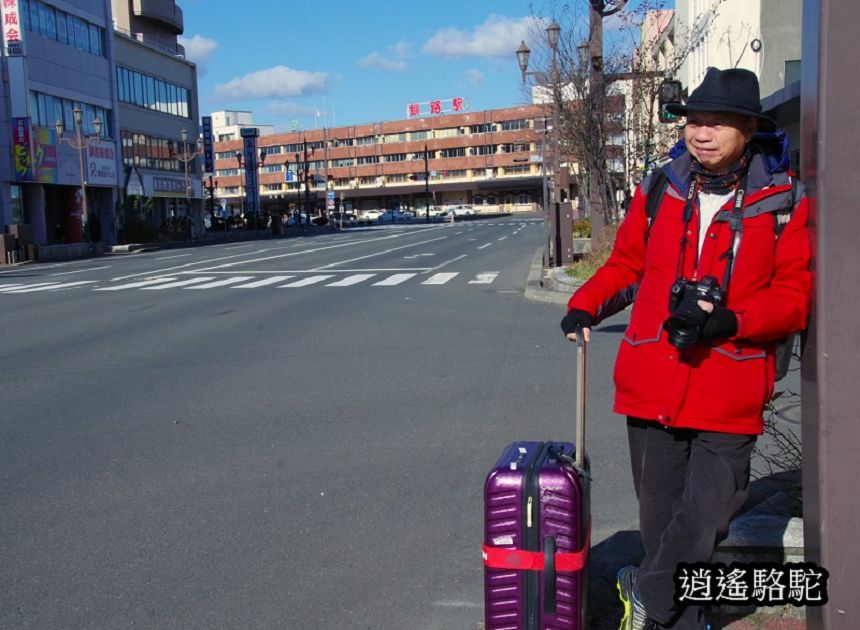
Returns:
point(683, 332)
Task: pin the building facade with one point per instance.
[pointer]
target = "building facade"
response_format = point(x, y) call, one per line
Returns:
point(489, 159)
point(96, 97)
point(763, 36)
point(57, 66)
point(161, 176)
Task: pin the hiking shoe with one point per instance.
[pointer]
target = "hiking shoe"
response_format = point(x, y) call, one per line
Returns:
point(634, 611)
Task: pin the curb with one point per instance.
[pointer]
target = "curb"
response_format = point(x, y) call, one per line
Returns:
point(548, 286)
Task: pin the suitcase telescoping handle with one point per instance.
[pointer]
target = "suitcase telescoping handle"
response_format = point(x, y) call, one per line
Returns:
point(580, 400)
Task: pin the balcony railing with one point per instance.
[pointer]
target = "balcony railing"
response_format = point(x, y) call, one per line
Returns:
point(164, 11)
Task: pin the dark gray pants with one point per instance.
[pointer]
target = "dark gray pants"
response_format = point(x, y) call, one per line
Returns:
point(690, 484)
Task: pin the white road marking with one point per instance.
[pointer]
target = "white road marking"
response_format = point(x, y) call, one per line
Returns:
point(485, 245)
point(350, 280)
point(50, 286)
point(136, 285)
point(484, 278)
point(65, 273)
point(397, 278)
point(440, 278)
point(178, 283)
point(263, 282)
point(220, 283)
point(305, 282)
point(24, 286)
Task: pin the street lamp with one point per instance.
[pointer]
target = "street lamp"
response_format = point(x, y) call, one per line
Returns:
point(553, 254)
point(260, 164)
point(186, 157)
point(80, 142)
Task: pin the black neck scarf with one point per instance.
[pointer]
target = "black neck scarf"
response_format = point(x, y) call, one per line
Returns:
point(721, 183)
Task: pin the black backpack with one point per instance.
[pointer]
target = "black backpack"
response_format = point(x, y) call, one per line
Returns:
point(657, 185)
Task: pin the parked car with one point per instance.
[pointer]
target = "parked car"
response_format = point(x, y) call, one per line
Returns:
point(371, 215)
point(306, 220)
point(392, 216)
point(347, 219)
point(461, 211)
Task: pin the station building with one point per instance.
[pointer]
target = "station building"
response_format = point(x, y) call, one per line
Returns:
point(491, 160)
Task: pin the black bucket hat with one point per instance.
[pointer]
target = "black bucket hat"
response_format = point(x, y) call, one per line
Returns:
point(734, 90)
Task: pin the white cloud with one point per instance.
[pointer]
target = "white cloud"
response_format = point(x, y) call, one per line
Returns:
point(277, 82)
point(395, 59)
point(199, 50)
point(498, 36)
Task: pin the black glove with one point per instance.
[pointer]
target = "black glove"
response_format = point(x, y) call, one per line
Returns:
point(576, 318)
point(722, 322)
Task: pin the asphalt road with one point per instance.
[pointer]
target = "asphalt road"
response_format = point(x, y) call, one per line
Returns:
point(290, 433)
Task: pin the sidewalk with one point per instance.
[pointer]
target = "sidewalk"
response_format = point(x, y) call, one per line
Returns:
point(763, 532)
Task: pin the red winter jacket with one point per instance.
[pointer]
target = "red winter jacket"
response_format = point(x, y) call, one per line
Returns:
point(721, 384)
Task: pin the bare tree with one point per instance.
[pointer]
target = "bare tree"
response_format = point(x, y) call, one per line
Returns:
point(640, 53)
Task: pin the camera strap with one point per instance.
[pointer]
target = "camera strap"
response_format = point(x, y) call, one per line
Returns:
point(736, 221)
point(736, 225)
point(689, 208)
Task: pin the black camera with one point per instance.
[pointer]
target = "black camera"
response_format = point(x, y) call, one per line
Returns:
point(686, 318)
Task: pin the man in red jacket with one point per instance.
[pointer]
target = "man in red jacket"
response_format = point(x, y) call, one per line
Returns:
point(717, 277)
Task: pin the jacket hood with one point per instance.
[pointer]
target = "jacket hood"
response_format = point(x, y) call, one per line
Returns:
point(770, 155)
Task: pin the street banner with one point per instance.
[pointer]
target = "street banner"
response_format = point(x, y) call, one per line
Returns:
point(22, 154)
point(208, 151)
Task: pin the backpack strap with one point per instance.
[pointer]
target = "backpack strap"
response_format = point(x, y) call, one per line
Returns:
point(782, 217)
point(656, 186)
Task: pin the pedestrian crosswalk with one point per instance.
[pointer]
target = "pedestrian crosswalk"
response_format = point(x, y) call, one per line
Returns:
point(297, 280)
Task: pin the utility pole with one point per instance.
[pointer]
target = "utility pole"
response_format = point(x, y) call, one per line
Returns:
point(426, 184)
point(306, 177)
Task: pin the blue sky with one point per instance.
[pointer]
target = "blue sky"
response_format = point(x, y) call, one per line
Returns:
point(357, 61)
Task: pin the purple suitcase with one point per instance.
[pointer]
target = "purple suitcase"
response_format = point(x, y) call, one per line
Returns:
point(537, 531)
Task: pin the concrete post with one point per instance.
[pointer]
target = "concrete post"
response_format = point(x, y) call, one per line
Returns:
point(831, 398)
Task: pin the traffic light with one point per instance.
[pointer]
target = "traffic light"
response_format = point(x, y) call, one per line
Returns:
point(670, 93)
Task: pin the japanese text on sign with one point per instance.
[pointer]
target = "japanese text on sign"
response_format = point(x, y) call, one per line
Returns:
point(436, 107)
point(11, 25)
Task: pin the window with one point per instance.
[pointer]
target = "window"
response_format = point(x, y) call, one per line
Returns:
point(139, 149)
point(46, 110)
point(517, 168)
point(95, 39)
point(137, 86)
point(49, 27)
point(53, 23)
point(152, 93)
point(448, 133)
point(514, 125)
point(451, 153)
point(151, 101)
point(396, 157)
